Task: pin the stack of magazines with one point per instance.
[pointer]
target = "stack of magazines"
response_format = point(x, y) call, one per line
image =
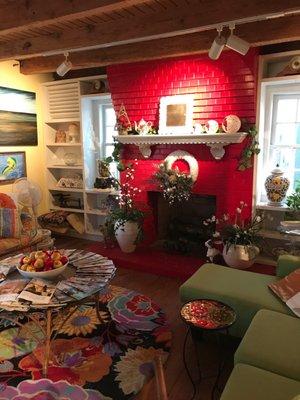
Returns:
point(92, 274)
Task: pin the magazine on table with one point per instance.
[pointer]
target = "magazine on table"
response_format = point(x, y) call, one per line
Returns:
point(38, 291)
point(10, 290)
point(8, 265)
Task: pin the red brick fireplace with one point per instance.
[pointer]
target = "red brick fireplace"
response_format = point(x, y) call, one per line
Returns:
point(222, 87)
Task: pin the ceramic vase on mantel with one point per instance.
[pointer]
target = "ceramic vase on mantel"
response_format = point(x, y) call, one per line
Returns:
point(276, 186)
point(126, 235)
point(240, 256)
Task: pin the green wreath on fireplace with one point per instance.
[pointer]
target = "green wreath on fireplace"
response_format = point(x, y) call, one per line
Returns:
point(176, 186)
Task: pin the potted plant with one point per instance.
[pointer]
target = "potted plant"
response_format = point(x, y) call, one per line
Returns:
point(126, 219)
point(238, 236)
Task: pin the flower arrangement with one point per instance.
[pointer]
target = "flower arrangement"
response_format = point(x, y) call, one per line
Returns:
point(176, 185)
point(127, 209)
point(233, 230)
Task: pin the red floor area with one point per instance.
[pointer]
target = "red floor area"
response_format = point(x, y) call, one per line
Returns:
point(155, 261)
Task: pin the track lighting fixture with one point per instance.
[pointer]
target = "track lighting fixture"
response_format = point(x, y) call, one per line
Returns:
point(217, 45)
point(235, 43)
point(65, 66)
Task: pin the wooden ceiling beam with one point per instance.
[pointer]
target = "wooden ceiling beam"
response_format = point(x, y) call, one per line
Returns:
point(17, 15)
point(178, 21)
point(257, 33)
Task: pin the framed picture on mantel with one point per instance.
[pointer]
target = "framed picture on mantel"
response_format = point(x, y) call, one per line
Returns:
point(176, 115)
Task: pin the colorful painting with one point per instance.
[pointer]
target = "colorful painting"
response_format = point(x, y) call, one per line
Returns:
point(18, 125)
point(12, 166)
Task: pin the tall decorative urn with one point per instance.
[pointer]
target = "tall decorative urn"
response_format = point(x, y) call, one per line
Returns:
point(276, 186)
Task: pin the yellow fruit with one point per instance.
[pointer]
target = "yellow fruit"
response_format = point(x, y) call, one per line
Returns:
point(40, 254)
point(32, 256)
point(56, 255)
point(39, 263)
point(57, 264)
point(24, 267)
point(26, 260)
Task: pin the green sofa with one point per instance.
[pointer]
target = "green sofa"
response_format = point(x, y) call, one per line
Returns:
point(247, 292)
point(267, 361)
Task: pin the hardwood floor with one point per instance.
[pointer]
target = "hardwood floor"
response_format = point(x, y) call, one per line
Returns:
point(165, 292)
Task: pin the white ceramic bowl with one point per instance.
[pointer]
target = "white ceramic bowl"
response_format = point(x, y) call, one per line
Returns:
point(52, 274)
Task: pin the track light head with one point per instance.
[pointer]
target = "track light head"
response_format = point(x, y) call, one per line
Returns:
point(217, 46)
point(65, 66)
point(237, 44)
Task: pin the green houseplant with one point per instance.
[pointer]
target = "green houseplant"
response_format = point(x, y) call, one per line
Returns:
point(238, 235)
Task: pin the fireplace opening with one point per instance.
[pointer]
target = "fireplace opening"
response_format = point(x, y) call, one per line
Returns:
point(180, 227)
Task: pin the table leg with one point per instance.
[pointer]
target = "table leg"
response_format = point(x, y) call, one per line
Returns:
point(222, 361)
point(47, 342)
point(186, 366)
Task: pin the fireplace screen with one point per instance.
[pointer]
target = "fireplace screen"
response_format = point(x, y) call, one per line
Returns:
point(180, 227)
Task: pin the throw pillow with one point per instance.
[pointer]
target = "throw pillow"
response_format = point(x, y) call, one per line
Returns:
point(10, 226)
point(288, 290)
point(7, 201)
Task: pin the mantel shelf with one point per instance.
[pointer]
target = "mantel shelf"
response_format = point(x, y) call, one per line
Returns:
point(216, 142)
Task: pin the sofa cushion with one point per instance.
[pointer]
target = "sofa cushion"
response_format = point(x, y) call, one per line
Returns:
point(246, 292)
point(251, 383)
point(272, 342)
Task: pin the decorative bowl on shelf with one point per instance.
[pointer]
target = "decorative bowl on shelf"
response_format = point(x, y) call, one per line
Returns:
point(43, 264)
point(70, 159)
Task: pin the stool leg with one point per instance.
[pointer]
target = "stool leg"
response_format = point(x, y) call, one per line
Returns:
point(186, 366)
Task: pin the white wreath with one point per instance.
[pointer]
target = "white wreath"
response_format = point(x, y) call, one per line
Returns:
point(187, 157)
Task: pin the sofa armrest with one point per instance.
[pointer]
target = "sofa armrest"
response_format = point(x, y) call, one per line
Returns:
point(287, 264)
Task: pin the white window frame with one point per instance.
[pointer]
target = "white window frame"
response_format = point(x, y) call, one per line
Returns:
point(268, 91)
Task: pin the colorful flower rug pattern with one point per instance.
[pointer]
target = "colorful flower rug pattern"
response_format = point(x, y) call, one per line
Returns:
point(90, 360)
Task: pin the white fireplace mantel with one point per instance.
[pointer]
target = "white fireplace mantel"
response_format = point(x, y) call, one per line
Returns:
point(216, 142)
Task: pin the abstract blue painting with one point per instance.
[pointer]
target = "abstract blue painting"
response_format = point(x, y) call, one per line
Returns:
point(18, 125)
point(12, 166)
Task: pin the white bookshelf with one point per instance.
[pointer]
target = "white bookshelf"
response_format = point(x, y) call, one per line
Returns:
point(70, 102)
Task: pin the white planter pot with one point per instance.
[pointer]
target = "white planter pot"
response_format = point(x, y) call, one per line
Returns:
point(239, 256)
point(126, 235)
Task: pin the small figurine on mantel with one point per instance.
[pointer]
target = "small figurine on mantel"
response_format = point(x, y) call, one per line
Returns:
point(104, 179)
point(123, 125)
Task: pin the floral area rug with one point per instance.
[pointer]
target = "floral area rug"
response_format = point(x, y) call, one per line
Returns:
point(90, 360)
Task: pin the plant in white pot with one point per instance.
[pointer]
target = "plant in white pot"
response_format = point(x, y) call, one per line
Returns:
point(238, 235)
point(126, 219)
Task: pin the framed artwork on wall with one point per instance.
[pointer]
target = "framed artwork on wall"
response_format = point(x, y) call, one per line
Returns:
point(12, 166)
point(176, 115)
point(18, 124)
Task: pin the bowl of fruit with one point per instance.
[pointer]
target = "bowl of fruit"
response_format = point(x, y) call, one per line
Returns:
point(43, 264)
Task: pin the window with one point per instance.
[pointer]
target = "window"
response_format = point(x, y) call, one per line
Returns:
point(107, 122)
point(279, 133)
point(108, 118)
point(285, 135)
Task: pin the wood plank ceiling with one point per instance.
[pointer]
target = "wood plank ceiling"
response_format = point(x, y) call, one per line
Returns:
point(103, 32)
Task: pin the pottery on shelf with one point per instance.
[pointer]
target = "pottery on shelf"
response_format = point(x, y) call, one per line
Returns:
point(211, 126)
point(70, 159)
point(240, 256)
point(126, 235)
point(73, 133)
point(231, 124)
point(276, 186)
